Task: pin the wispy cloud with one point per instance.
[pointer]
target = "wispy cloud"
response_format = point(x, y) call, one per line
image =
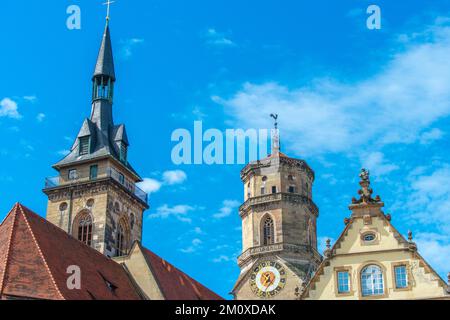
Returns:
point(408, 94)
point(435, 248)
point(179, 211)
point(195, 245)
point(31, 99)
point(218, 39)
point(431, 136)
point(129, 45)
point(40, 117)
point(9, 109)
point(429, 198)
point(377, 164)
point(227, 209)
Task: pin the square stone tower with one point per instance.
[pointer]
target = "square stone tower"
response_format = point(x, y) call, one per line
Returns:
point(95, 197)
point(278, 228)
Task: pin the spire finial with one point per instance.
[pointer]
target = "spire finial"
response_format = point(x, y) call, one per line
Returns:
point(275, 117)
point(108, 10)
point(275, 136)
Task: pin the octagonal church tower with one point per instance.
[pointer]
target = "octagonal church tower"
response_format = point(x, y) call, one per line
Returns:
point(95, 198)
point(278, 227)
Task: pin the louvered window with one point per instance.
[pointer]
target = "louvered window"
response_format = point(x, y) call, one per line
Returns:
point(84, 145)
point(123, 152)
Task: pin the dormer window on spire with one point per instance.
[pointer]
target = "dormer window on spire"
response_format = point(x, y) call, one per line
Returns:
point(123, 152)
point(85, 145)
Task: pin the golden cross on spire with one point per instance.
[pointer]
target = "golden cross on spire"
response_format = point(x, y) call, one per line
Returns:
point(108, 3)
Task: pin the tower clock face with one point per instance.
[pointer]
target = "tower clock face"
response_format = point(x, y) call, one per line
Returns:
point(268, 279)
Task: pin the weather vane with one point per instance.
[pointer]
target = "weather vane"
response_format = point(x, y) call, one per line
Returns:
point(108, 3)
point(275, 117)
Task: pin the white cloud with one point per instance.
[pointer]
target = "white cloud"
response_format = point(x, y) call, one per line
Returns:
point(227, 209)
point(198, 230)
point(150, 185)
point(429, 200)
point(128, 46)
point(430, 136)
point(194, 247)
point(376, 163)
point(216, 38)
point(30, 98)
point(409, 94)
point(221, 259)
point(174, 177)
point(40, 117)
point(435, 249)
point(9, 109)
point(179, 211)
point(168, 178)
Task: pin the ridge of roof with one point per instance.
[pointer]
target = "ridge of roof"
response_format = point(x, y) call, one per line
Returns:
point(20, 207)
point(8, 250)
point(198, 289)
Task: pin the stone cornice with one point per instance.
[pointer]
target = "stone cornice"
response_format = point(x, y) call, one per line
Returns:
point(90, 187)
point(256, 252)
point(271, 201)
point(290, 162)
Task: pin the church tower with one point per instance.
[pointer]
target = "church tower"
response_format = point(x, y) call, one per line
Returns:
point(95, 198)
point(278, 227)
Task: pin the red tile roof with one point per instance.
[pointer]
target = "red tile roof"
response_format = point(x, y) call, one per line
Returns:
point(175, 284)
point(35, 255)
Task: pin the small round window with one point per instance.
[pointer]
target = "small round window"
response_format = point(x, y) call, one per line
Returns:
point(368, 237)
point(264, 179)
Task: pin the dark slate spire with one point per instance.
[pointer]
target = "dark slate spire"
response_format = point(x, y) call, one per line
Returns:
point(105, 138)
point(105, 60)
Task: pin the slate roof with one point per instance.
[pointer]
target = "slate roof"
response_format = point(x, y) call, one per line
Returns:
point(175, 284)
point(35, 255)
point(100, 126)
point(105, 60)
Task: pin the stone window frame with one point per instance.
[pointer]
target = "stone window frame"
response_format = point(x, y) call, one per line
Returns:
point(76, 224)
point(407, 265)
point(351, 291)
point(366, 231)
point(383, 272)
point(261, 228)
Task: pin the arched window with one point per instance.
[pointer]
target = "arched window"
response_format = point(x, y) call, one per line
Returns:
point(268, 232)
point(83, 228)
point(123, 236)
point(372, 283)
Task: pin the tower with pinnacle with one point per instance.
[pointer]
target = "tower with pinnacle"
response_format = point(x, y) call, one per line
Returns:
point(278, 227)
point(95, 197)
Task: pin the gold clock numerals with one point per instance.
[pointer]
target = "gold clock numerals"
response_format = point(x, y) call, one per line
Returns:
point(268, 279)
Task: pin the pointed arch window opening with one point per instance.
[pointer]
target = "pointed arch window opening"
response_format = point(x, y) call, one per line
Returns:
point(85, 228)
point(122, 240)
point(268, 232)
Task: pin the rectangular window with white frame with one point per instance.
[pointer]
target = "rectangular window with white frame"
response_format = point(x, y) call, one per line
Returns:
point(401, 277)
point(343, 281)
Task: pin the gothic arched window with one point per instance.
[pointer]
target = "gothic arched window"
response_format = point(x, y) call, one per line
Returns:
point(372, 283)
point(123, 236)
point(83, 228)
point(268, 231)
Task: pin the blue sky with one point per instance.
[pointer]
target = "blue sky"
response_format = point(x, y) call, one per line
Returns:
point(347, 96)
